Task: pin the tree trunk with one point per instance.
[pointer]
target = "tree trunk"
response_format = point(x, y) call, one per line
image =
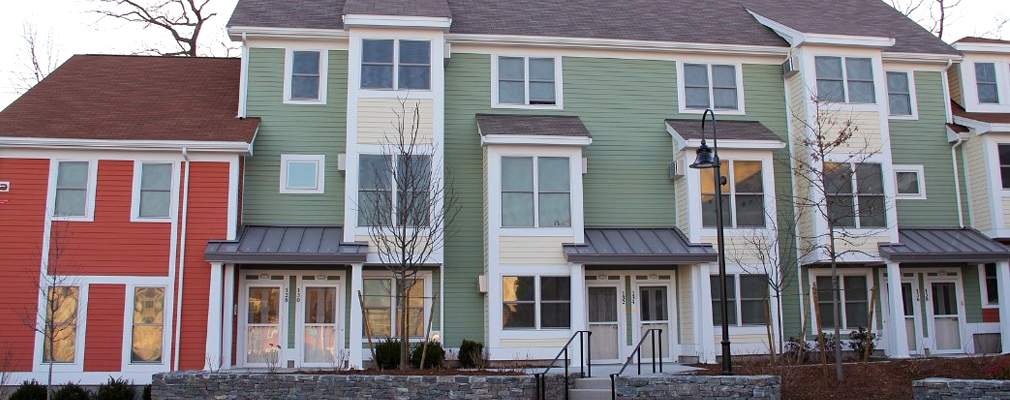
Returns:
point(839, 374)
point(402, 307)
point(768, 328)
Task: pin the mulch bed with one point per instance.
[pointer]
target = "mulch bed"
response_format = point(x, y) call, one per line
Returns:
point(875, 380)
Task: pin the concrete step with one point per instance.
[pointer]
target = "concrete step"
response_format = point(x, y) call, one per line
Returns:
point(589, 394)
point(592, 383)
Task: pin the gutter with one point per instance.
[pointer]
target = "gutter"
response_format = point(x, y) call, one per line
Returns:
point(182, 260)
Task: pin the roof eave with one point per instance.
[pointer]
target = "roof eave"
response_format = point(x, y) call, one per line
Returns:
point(238, 33)
point(630, 259)
point(538, 140)
point(796, 38)
point(396, 21)
point(242, 148)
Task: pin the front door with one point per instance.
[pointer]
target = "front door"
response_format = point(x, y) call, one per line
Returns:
point(654, 313)
point(264, 335)
point(913, 319)
point(604, 322)
point(945, 317)
point(318, 323)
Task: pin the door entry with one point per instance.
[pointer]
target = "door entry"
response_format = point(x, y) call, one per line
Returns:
point(654, 313)
point(604, 322)
point(913, 328)
point(946, 317)
point(263, 325)
point(318, 324)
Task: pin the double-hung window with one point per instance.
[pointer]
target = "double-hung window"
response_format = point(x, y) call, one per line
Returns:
point(306, 79)
point(60, 344)
point(530, 302)
point(1004, 164)
point(743, 204)
point(148, 325)
point(527, 81)
point(750, 309)
point(536, 192)
point(407, 184)
point(396, 64)
point(155, 191)
point(844, 79)
point(380, 307)
point(72, 189)
point(711, 86)
point(985, 81)
point(899, 94)
point(991, 281)
point(855, 195)
point(853, 296)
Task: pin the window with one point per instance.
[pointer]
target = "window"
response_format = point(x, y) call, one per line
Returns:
point(395, 64)
point(853, 296)
point(910, 182)
point(72, 189)
point(530, 302)
point(306, 77)
point(536, 191)
point(527, 81)
point(154, 195)
point(1004, 164)
point(991, 282)
point(376, 181)
point(851, 84)
point(380, 307)
point(148, 325)
point(899, 94)
point(985, 80)
point(60, 343)
point(855, 199)
point(743, 197)
point(751, 292)
point(302, 174)
point(710, 86)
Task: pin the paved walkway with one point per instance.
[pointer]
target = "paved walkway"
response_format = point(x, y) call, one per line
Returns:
point(604, 370)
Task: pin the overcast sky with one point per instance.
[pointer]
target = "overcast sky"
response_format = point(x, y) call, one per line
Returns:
point(77, 31)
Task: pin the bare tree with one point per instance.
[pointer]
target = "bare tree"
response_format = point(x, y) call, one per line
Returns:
point(941, 14)
point(6, 367)
point(934, 15)
point(56, 316)
point(910, 8)
point(182, 19)
point(38, 57)
point(408, 208)
point(833, 166)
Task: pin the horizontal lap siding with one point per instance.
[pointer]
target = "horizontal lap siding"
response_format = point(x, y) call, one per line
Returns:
point(103, 351)
point(207, 220)
point(112, 245)
point(22, 211)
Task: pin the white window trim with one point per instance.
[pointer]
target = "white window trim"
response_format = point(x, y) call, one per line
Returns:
point(323, 66)
point(536, 193)
point(920, 175)
point(558, 83)
point(858, 226)
point(845, 81)
point(426, 280)
point(682, 95)
point(984, 286)
point(396, 64)
point(910, 75)
point(736, 300)
point(537, 302)
point(768, 180)
point(970, 84)
point(135, 202)
point(320, 161)
point(166, 354)
point(812, 276)
point(89, 198)
point(79, 340)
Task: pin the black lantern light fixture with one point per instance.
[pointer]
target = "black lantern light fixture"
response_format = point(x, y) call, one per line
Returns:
point(708, 157)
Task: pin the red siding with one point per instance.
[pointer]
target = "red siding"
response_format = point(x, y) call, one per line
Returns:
point(22, 215)
point(112, 245)
point(103, 349)
point(990, 315)
point(208, 219)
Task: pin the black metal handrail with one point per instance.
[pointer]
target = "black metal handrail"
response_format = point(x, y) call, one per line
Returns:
point(657, 347)
point(585, 366)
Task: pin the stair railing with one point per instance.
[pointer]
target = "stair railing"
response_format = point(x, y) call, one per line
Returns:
point(585, 364)
point(656, 336)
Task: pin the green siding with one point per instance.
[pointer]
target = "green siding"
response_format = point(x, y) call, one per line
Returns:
point(925, 142)
point(293, 129)
point(972, 293)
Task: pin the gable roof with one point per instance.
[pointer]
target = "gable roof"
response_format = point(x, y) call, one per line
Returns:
point(715, 22)
point(133, 98)
point(731, 130)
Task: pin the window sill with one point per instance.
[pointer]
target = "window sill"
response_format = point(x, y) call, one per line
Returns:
point(305, 102)
point(910, 197)
point(557, 106)
point(151, 220)
point(738, 111)
point(844, 106)
point(87, 218)
point(904, 117)
point(761, 231)
point(551, 231)
point(302, 191)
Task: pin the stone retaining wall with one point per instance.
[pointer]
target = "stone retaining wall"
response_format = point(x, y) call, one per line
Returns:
point(195, 385)
point(975, 389)
point(700, 387)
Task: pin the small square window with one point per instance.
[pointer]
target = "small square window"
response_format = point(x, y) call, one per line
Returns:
point(302, 173)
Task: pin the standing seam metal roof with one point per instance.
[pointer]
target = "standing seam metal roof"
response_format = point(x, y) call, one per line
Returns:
point(645, 245)
point(260, 244)
point(943, 245)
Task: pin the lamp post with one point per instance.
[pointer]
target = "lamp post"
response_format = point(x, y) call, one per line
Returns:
point(709, 158)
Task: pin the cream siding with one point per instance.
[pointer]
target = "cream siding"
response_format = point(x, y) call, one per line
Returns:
point(378, 120)
point(956, 86)
point(686, 310)
point(532, 250)
point(525, 343)
point(1006, 211)
point(745, 338)
point(978, 183)
point(683, 217)
point(866, 136)
point(746, 250)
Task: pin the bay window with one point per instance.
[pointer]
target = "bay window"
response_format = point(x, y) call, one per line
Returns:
point(536, 192)
point(395, 64)
point(855, 195)
point(385, 180)
point(381, 310)
point(746, 296)
point(853, 297)
point(743, 202)
point(531, 302)
point(844, 79)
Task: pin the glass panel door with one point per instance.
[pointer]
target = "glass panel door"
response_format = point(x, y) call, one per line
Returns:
point(320, 325)
point(908, 300)
point(603, 322)
point(654, 313)
point(263, 325)
point(946, 318)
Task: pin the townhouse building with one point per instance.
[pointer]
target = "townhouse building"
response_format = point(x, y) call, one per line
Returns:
point(565, 131)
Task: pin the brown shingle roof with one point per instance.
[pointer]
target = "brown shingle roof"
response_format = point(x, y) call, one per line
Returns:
point(992, 118)
point(133, 98)
point(973, 39)
point(538, 125)
point(412, 8)
point(732, 130)
point(720, 22)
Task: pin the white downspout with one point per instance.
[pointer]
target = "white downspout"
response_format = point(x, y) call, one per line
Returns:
point(182, 258)
point(957, 180)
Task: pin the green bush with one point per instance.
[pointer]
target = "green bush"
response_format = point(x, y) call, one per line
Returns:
point(71, 391)
point(115, 389)
point(29, 390)
point(435, 357)
point(387, 354)
point(146, 395)
point(471, 354)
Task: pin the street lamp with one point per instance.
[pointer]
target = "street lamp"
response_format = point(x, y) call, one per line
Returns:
point(709, 158)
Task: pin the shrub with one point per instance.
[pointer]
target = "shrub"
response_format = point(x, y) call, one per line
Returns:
point(860, 339)
point(793, 349)
point(115, 389)
point(828, 349)
point(435, 357)
point(1000, 369)
point(71, 391)
point(146, 394)
point(471, 354)
point(29, 390)
point(387, 354)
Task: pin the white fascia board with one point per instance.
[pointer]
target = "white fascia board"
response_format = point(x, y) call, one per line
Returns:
point(978, 126)
point(396, 21)
point(208, 146)
point(616, 44)
point(487, 140)
point(983, 47)
point(953, 137)
point(944, 59)
point(681, 143)
point(252, 32)
point(796, 38)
